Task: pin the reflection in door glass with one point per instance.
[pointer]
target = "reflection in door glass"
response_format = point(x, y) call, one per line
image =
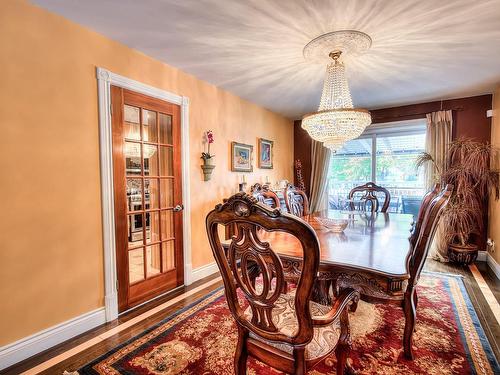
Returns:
point(167, 224)
point(166, 161)
point(153, 260)
point(167, 192)
point(149, 126)
point(150, 160)
point(136, 265)
point(132, 128)
point(134, 194)
point(165, 128)
point(167, 249)
point(153, 228)
point(132, 153)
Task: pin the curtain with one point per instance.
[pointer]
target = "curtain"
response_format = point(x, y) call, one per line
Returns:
point(320, 162)
point(438, 138)
point(439, 127)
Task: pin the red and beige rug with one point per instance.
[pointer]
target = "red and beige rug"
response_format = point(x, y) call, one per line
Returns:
point(201, 339)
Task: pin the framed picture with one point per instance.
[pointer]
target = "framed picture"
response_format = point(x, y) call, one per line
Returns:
point(265, 154)
point(241, 157)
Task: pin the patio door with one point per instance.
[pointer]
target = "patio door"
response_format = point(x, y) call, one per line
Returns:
point(147, 196)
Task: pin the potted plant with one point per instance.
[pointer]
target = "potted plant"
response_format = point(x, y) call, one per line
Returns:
point(208, 159)
point(470, 172)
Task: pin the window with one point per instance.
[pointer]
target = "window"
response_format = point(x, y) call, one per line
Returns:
point(385, 155)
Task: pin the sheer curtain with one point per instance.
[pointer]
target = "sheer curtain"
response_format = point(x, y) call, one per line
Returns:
point(320, 162)
point(439, 129)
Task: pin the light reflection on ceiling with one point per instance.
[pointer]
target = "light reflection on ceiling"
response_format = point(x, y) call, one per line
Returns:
point(422, 50)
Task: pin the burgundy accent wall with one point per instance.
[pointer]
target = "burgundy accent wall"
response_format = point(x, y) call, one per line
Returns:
point(302, 151)
point(469, 115)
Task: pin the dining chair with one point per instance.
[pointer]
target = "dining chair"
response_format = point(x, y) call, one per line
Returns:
point(296, 201)
point(284, 330)
point(433, 205)
point(367, 195)
point(423, 231)
point(265, 195)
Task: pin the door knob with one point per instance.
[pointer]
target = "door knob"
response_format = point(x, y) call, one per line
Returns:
point(178, 208)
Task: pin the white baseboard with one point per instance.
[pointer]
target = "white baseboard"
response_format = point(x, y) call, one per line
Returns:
point(43, 340)
point(204, 271)
point(482, 256)
point(495, 267)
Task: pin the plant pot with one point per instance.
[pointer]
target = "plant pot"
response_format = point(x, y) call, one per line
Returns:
point(210, 161)
point(464, 254)
point(207, 168)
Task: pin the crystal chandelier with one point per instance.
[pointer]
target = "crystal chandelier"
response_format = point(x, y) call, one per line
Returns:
point(336, 121)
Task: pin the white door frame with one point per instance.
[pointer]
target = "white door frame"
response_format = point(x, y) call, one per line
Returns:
point(105, 79)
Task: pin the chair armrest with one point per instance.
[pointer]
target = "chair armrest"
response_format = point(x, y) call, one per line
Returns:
point(345, 299)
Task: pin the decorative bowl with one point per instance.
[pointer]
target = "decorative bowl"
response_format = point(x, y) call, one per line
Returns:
point(335, 225)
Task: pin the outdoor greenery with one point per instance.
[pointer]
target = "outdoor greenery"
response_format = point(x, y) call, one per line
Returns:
point(394, 170)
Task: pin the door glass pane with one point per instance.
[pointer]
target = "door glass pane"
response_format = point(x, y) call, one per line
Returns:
point(132, 158)
point(152, 227)
point(149, 126)
point(351, 166)
point(166, 161)
point(135, 233)
point(167, 224)
point(167, 192)
point(396, 171)
point(153, 260)
point(165, 128)
point(151, 193)
point(168, 257)
point(134, 194)
point(150, 160)
point(136, 265)
point(132, 128)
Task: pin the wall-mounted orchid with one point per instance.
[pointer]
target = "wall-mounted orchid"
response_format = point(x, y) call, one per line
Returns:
point(209, 139)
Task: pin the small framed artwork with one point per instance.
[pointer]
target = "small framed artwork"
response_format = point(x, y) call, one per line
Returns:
point(241, 157)
point(265, 154)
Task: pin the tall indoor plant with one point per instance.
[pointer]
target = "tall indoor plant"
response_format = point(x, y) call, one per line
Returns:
point(470, 169)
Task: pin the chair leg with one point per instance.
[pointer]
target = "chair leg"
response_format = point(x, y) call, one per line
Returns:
point(415, 303)
point(344, 346)
point(299, 357)
point(342, 353)
point(410, 316)
point(241, 354)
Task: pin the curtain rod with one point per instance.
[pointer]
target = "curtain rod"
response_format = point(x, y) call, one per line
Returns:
point(457, 109)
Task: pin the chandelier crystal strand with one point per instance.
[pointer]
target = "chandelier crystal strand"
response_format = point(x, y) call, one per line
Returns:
point(336, 121)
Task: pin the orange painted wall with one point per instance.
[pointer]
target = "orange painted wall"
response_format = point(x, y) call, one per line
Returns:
point(51, 251)
point(494, 211)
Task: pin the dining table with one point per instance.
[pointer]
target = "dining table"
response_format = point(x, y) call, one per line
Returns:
point(371, 254)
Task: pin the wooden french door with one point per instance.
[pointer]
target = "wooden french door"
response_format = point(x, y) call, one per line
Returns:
point(147, 196)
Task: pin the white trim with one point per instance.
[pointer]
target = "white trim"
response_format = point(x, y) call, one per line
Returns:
point(481, 256)
point(43, 340)
point(105, 79)
point(204, 271)
point(406, 127)
point(495, 267)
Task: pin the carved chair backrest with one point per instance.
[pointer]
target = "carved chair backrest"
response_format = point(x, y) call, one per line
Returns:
point(367, 195)
point(426, 200)
point(246, 248)
point(265, 195)
point(426, 233)
point(296, 201)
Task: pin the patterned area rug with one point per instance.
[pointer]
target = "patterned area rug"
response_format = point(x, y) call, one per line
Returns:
point(201, 339)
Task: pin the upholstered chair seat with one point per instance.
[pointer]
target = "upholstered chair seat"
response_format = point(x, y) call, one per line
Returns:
point(325, 338)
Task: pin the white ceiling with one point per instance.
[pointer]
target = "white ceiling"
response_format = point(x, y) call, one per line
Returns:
point(422, 50)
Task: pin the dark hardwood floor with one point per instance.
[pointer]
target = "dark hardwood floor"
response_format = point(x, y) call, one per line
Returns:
point(74, 362)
